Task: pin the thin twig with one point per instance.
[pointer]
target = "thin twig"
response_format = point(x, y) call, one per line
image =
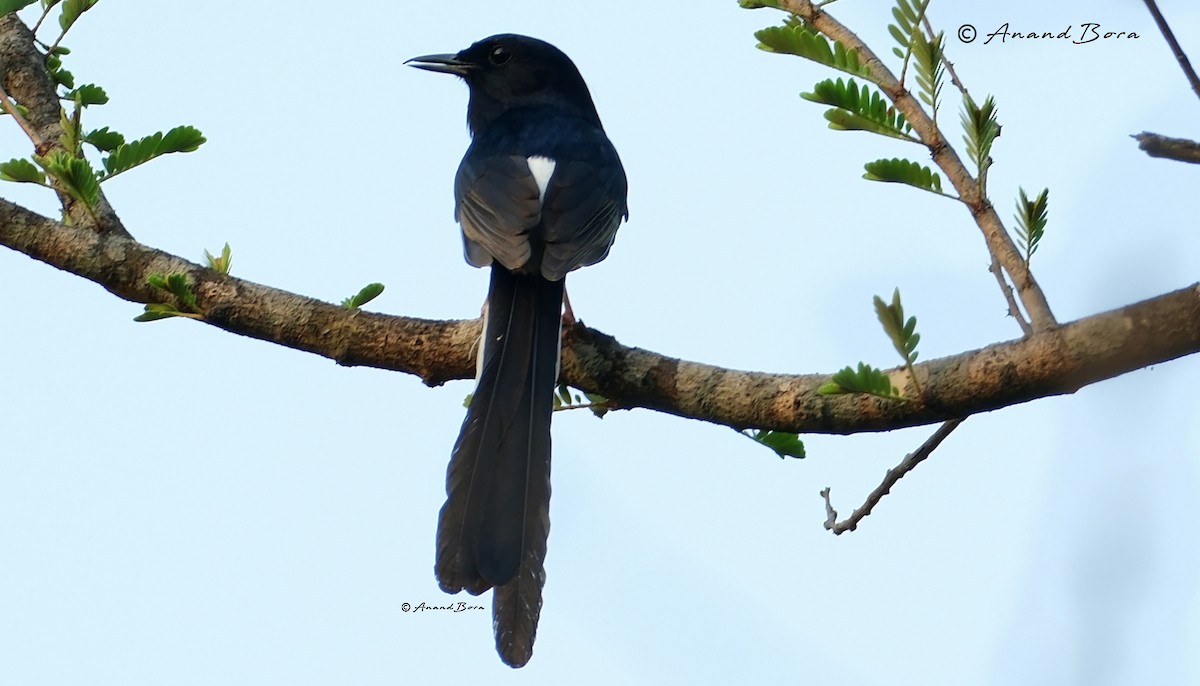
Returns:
point(1013, 310)
point(12, 110)
point(1180, 149)
point(45, 13)
point(906, 465)
point(1175, 48)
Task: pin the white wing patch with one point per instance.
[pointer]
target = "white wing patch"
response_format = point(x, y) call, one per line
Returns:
point(542, 169)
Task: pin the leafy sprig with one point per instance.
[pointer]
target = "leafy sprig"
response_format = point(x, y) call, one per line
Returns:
point(865, 379)
point(1031, 221)
point(980, 130)
point(176, 284)
point(784, 444)
point(859, 109)
point(903, 332)
point(795, 38)
point(364, 296)
point(897, 170)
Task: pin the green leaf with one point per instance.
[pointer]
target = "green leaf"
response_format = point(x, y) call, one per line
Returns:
point(897, 170)
point(134, 153)
point(7, 6)
point(89, 94)
point(75, 174)
point(156, 311)
point(1031, 221)
point(600, 405)
point(928, 54)
point(758, 4)
point(859, 108)
point(366, 295)
point(176, 284)
point(222, 263)
point(802, 41)
point(47, 4)
point(980, 130)
point(72, 9)
point(104, 140)
point(783, 443)
point(901, 331)
point(63, 78)
point(22, 171)
point(866, 379)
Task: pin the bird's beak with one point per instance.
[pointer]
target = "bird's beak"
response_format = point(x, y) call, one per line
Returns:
point(446, 64)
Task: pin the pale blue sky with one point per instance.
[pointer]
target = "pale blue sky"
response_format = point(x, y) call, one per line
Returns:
point(183, 506)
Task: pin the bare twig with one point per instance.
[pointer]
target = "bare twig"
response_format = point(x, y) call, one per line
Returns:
point(999, 242)
point(893, 476)
point(1169, 35)
point(1180, 149)
point(1013, 310)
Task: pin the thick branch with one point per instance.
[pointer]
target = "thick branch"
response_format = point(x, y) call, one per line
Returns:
point(1180, 149)
point(25, 79)
point(1053, 362)
point(999, 243)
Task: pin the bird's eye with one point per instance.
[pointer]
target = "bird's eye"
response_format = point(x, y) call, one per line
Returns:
point(500, 55)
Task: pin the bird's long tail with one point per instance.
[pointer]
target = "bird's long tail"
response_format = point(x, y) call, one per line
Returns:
point(492, 530)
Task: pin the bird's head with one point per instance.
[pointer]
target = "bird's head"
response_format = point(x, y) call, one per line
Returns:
point(509, 71)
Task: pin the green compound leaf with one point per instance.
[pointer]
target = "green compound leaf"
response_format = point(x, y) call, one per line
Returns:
point(157, 311)
point(859, 109)
point(72, 9)
point(980, 130)
point(129, 155)
point(897, 170)
point(866, 379)
point(783, 443)
point(176, 284)
point(366, 295)
point(797, 39)
point(104, 140)
point(1031, 221)
point(908, 21)
point(22, 170)
point(7, 6)
point(75, 174)
point(902, 332)
point(88, 94)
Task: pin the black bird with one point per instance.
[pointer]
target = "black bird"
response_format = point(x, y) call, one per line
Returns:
point(540, 192)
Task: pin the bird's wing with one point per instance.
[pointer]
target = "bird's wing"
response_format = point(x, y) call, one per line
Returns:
point(497, 204)
point(585, 204)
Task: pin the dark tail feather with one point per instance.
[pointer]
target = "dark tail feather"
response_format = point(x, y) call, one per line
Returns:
point(493, 529)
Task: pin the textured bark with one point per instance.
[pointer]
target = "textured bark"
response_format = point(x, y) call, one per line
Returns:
point(26, 80)
point(1053, 362)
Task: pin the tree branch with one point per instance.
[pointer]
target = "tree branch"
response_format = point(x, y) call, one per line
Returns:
point(999, 243)
point(1180, 149)
point(23, 76)
point(1176, 49)
point(1053, 362)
